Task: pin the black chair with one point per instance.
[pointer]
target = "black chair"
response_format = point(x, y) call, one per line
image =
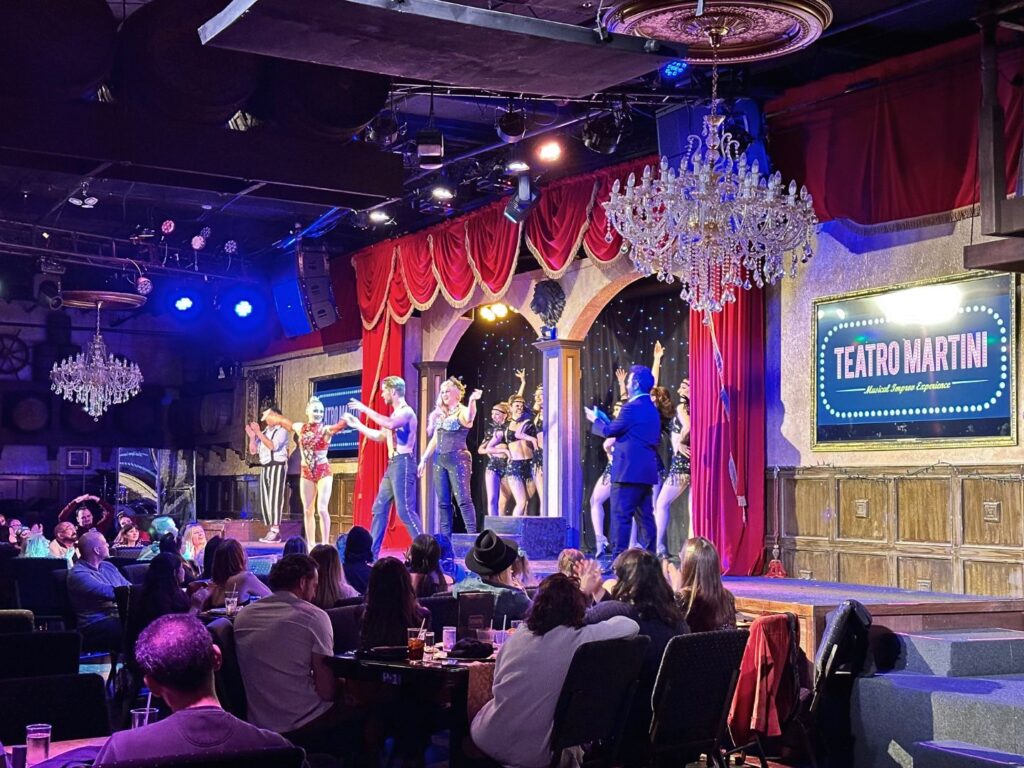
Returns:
point(74, 705)
point(136, 572)
point(37, 654)
point(444, 612)
point(595, 699)
point(60, 580)
point(346, 623)
point(692, 695)
point(16, 620)
point(345, 602)
point(34, 586)
point(230, 688)
point(277, 757)
point(476, 611)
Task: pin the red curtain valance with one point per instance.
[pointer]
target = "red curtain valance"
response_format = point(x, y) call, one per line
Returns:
point(480, 250)
point(895, 140)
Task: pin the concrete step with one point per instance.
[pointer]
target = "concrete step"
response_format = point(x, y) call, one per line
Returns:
point(959, 754)
point(892, 712)
point(962, 653)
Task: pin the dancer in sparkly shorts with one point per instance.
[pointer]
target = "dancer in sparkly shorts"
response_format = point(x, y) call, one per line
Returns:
point(519, 436)
point(494, 448)
point(448, 426)
point(678, 478)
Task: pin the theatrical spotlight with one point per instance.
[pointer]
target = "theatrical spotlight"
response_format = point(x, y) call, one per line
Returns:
point(492, 312)
point(384, 130)
point(82, 198)
point(243, 308)
point(443, 190)
point(500, 311)
point(487, 314)
point(379, 216)
point(674, 69)
point(430, 149)
point(549, 151)
point(511, 124)
point(603, 134)
point(184, 303)
point(522, 202)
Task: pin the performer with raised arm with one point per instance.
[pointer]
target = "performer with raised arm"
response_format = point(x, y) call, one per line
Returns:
point(270, 445)
point(317, 481)
point(495, 449)
point(448, 426)
point(678, 479)
point(398, 433)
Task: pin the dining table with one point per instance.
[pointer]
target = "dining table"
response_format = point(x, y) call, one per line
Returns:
point(61, 748)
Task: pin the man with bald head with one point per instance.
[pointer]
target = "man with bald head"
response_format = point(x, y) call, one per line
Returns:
point(91, 592)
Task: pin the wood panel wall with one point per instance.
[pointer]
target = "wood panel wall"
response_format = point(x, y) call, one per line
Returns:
point(946, 528)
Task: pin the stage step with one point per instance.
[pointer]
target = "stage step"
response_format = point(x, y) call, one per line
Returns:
point(962, 653)
point(541, 537)
point(463, 542)
point(959, 754)
point(892, 712)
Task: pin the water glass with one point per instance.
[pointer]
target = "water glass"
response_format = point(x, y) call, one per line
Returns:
point(428, 643)
point(516, 624)
point(485, 635)
point(416, 642)
point(37, 743)
point(500, 636)
point(231, 603)
point(448, 638)
point(144, 716)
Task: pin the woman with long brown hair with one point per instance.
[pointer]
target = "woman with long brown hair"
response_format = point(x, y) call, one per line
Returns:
point(700, 593)
point(230, 573)
point(331, 586)
point(391, 606)
point(424, 561)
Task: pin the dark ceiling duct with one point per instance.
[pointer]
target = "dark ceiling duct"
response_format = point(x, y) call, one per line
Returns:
point(55, 48)
point(162, 65)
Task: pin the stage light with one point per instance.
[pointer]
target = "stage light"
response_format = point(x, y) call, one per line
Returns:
point(442, 191)
point(384, 130)
point(674, 69)
point(379, 216)
point(430, 149)
point(143, 285)
point(243, 308)
point(511, 125)
point(487, 314)
point(522, 202)
point(184, 303)
point(549, 151)
point(167, 227)
point(46, 235)
point(198, 243)
point(230, 247)
point(82, 198)
point(500, 310)
point(603, 134)
point(516, 165)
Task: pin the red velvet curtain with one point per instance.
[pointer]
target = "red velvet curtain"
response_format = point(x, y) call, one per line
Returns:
point(554, 231)
point(382, 356)
point(492, 243)
point(904, 146)
point(716, 435)
point(451, 262)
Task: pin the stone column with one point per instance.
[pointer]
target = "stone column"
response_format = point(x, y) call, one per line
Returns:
point(563, 453)
point(432, 373)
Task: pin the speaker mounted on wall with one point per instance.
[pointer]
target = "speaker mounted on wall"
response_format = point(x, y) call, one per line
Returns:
point(302, 292)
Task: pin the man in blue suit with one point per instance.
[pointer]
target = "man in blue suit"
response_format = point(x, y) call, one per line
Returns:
point(637, 432)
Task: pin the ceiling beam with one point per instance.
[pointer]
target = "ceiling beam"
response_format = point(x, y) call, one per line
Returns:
point(210, 158)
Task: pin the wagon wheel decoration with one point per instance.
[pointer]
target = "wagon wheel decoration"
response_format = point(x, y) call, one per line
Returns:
point(13, 353)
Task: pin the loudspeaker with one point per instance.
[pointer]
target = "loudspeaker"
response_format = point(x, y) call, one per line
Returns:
point(302, 292)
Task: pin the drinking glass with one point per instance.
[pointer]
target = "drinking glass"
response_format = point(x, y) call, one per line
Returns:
point(485, 635)
point(37, 743)
point(143, 716)
point(500, 636)
point(516, 624)
point(428, 643)
point(448, 638)
point(416, 642)
point(231, 603)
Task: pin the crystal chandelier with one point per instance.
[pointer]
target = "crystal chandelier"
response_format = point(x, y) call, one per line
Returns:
point(94, 378)
point(717, 225)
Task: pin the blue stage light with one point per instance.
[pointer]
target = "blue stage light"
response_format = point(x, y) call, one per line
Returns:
point(243, 308)
point(184, 304)
point(674, 69)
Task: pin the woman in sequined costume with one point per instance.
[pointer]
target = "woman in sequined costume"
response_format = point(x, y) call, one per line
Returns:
point(678, 478)
point(538, 452)
point(314, 438)
point(494, 448)
point(520, 440)
point(602, 492)
point(448, 425)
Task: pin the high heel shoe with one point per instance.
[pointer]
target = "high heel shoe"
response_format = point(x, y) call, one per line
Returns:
point(601, 547)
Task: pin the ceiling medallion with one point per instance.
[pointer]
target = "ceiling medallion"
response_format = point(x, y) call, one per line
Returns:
point(751, 30)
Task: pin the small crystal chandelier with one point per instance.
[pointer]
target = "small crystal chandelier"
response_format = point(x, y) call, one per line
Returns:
point(716, 224)
point(95, 379)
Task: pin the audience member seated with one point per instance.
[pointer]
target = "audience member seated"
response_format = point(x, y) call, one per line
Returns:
point(295, 545)
point(390, 607)
point(641, 593)
point(33, 543)
point(125, 518)
point(425, 566)
point(91, 585)
point(231, 574)
point(191, 545)
point(283, 644)
point(127, 536)
point(208, 555)
point(159, 595)
point(569, 562)
point(65, 541)
point(706, 604)
point(522, 574)
point(514, 727)
point(178, 659)
point(331, 584)
point(357, 557)
point(160, 527)
point(491, 559)
point(88, 513)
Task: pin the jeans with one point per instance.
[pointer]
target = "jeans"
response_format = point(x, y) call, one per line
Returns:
point(629, 501)
point(452, 474)
point(398, 484)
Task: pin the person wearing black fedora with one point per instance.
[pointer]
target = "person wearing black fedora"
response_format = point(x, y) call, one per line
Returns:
point(490, 560)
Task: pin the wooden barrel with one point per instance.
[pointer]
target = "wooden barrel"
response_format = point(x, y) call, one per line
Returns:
point(215, 412)
point(30, 413)
point(161, 65)
point(323, 102)
point(55, 48)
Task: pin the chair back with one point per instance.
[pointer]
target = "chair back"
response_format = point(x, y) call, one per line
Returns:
point(36, 654)
point(345, 602)
point(476, 611)
point(74, 705)
point(16, 620)
point(346, 623)
point(277, 757)
point(60, 580)
point(596, 695)
point(136, 572)
point(774, 640)
point(844, 642)
point(35, 588)
point(444, 612)
point(693, 691)
point(230, 688)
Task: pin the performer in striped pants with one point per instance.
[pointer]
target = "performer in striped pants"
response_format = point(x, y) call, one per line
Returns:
point(271, 446)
